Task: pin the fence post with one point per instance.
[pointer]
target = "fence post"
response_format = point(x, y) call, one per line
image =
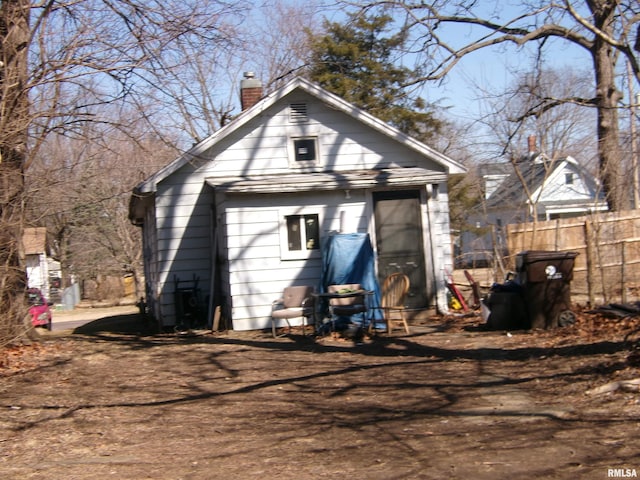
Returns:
point(623, 273)
point(588, 237)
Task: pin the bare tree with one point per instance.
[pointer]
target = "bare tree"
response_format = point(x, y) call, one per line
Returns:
point(60, 61)
point(14, 105)
point(79, 189)
point(198, 93)
point(546, 138)
point(564, 130)
point(606, 30)
point(283, 40)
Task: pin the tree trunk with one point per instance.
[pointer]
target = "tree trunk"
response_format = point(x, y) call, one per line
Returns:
point(14, 39)
point(607, 97)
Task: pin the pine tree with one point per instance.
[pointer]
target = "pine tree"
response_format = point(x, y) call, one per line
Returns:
point(357, 62)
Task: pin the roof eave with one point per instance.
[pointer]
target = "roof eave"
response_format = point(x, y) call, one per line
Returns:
point(353, 180)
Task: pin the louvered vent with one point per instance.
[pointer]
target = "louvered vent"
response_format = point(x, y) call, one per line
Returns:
point(298, 112)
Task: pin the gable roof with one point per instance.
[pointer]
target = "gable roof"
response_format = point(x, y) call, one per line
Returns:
point(149, 185)
point(511, 191)
point(534, 173)
point(499, 169)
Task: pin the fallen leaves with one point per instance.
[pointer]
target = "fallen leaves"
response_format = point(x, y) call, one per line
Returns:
point(19, 358)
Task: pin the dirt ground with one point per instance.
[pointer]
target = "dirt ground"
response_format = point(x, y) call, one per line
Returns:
point(448, 401)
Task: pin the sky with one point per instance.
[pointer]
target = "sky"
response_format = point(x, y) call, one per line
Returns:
point(487, 70)
point(465, 89)
point(491, 71)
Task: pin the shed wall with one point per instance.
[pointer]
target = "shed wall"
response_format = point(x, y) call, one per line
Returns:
point(253, 273)
point(183, 242)
point(257, 271)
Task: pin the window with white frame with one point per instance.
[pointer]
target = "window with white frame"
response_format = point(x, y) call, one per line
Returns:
point(300, 235)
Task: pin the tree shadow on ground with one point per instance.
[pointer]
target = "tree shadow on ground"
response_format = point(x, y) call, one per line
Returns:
point(139, 331)
point(128, 324)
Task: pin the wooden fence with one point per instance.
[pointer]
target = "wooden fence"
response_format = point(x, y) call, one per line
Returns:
point(607, 269)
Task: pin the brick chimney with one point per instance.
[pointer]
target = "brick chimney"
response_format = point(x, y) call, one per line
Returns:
point(250, 90)
point(532, 144)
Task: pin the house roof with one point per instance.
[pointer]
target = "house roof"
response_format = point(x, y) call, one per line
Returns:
point(526, 183)
point(511, 191)
point(34, 240)
point(495, 169)
point(149, 185)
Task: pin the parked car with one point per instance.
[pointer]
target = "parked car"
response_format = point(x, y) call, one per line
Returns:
point(39, 309)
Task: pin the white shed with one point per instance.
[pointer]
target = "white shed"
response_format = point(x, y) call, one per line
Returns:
point(244, 213)
point(34, 244)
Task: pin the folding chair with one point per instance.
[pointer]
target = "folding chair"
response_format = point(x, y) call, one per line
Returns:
point(295, 302)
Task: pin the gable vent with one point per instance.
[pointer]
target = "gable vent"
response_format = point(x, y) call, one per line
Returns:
point(298, 112)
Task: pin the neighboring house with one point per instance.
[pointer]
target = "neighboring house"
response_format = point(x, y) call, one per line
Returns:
point(42, 272)
point(246, 212)
point(534, 187)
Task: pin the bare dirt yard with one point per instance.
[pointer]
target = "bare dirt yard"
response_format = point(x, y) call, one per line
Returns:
point(448, 401)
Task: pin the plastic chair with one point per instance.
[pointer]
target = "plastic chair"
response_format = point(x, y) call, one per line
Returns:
point(296, 301)
point(394, 290)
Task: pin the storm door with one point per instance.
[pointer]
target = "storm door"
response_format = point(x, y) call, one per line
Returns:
point(399, 242)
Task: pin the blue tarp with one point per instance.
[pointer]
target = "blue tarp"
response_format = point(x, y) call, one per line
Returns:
point(349, 258)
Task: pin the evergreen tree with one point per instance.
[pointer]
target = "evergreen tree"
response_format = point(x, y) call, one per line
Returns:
point(357, 62)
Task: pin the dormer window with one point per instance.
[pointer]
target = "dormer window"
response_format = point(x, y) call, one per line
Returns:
point(305, 152)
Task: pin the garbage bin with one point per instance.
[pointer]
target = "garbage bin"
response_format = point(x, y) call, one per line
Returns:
point(506, 307)
point(546, 279)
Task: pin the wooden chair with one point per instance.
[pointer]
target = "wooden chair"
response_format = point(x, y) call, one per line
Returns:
point(295, 302)
point(394, 291)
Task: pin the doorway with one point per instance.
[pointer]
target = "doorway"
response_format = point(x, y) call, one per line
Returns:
point(400, 243)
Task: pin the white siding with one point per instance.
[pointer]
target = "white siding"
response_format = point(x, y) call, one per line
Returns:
point(257, 272)
point(183, 243)
point(38, 273)
point(263, 145)
point(556, 189)
point(248, 232)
